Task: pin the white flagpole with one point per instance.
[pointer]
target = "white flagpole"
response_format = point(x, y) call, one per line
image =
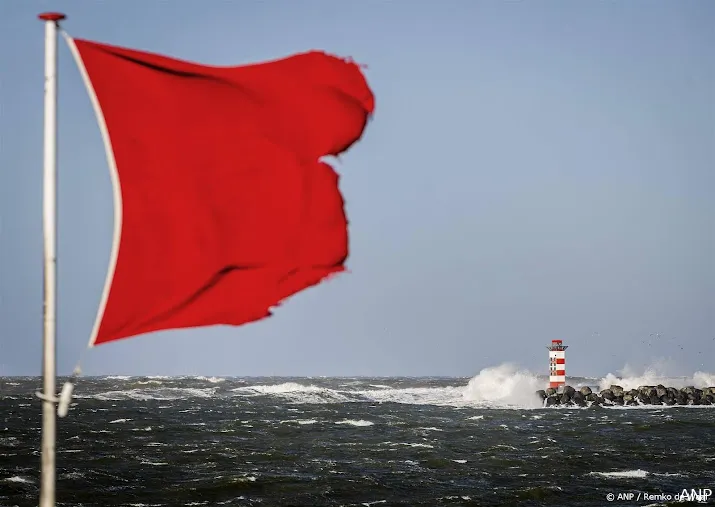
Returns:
point(49, 222)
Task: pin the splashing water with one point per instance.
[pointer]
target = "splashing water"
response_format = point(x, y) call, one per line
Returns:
point(504, 384)
point(629, 378)
point(702, 379)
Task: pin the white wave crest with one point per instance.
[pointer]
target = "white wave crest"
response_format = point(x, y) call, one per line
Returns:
point(294, 392)
point(353, 422)
point(501, 386)
point(504, 385)
point(450, 395)
point(213, 380)
point(625, 474)
point(163, 394)
point(702, 379)
point(17, 478)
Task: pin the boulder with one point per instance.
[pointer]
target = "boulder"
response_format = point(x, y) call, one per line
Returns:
point(585, 390)
point(607, 394)
point(616, 389)
point(648, 391)
point(579, 399)
point(643, 398)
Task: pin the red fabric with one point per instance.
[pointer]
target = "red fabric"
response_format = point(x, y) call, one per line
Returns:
point(226, 209)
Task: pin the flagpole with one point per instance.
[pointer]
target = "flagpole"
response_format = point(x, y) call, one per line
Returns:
point(49, 223)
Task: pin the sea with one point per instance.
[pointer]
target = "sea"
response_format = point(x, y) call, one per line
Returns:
point(433, 441)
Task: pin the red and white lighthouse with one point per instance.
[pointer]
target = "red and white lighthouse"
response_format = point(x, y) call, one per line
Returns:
point(557, 363)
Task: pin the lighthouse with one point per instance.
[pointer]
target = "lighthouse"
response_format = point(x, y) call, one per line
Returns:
point(557, 363)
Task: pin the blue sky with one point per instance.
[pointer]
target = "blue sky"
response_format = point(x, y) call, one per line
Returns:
point(534, 171)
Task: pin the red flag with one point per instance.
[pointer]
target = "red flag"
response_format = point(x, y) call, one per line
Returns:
point(223, 208)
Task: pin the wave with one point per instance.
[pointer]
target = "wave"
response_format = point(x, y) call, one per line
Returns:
point(623, 474)
point(17, 478)
point(502, 386)
point(213, 380)
point(162, 394)
point(294, 392)
point(632, 474)
point(353, 422)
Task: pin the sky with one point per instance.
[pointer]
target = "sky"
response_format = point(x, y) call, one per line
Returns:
point(533, 171)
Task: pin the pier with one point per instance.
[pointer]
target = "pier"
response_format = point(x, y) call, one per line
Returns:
point(617, 396)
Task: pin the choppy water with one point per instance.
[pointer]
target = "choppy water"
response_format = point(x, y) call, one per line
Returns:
point(321, 441)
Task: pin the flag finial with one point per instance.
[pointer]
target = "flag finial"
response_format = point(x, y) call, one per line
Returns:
point(51, 16)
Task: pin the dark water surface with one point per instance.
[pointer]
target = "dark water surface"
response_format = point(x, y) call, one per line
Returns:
point(311, 442)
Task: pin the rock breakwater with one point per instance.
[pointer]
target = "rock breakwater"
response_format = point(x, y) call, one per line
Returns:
point(616, 395)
